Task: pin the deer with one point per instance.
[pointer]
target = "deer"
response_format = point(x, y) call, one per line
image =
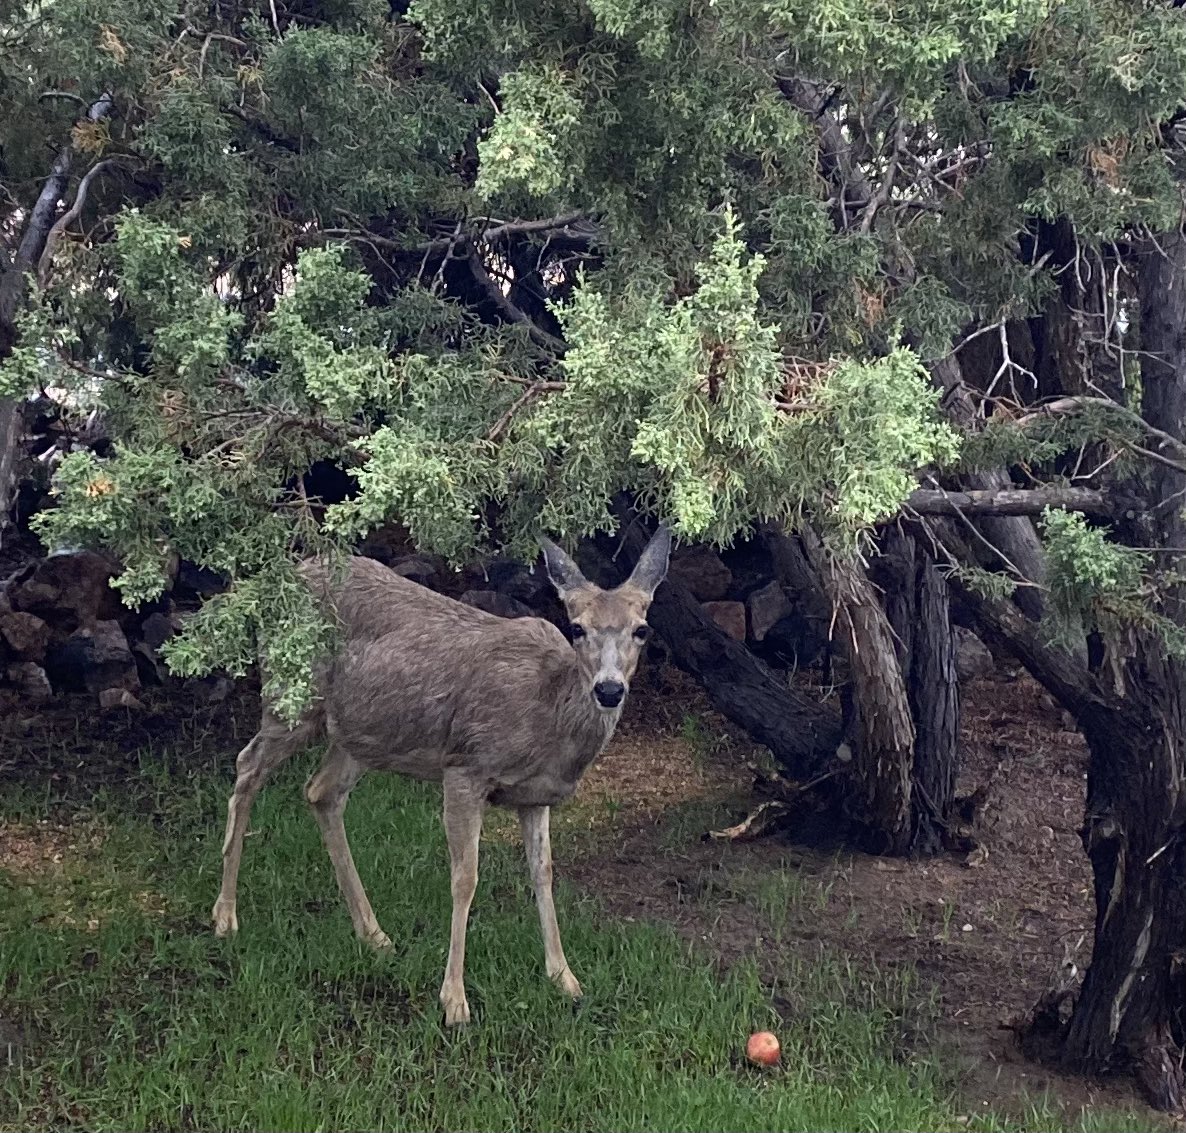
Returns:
point(502, 712)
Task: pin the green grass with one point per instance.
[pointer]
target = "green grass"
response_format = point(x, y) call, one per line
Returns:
point(136, 1017)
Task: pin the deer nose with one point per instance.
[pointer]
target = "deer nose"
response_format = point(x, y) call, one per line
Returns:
point(609, 693)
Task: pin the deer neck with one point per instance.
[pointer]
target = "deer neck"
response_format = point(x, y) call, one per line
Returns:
point(589, 727)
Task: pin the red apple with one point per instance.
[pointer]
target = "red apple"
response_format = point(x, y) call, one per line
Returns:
point(762, 1048)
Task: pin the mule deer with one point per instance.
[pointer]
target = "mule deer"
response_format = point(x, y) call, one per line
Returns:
point(501, 711)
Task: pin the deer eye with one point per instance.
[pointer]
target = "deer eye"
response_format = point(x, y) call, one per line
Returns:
point(642, 633)
point(578, 631)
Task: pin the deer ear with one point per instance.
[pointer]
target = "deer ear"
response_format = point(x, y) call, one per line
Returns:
point(651, 568)
point(565, 574)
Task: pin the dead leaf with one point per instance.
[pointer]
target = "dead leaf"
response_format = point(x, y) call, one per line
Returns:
point(111, 43)
point(977, 857)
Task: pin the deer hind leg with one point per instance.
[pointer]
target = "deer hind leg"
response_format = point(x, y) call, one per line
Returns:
point(270, 747)
point(328, 790)
point(464, 805)
point(537, 841)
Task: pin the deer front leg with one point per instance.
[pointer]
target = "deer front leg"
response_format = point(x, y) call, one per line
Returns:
point(463, 828)
point(535, 822)
point(269, 747)
point(327, 792)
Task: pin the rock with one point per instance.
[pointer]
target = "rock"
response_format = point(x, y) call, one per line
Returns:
point(117, 698)
point(195, 581)
point(387, 544)
point(520, 582)
point(210, 689)
point(972, 656)
point(156, 629)
point(729, 616)
point(31, 682)
point(93, 659)
point(768, 605)
point(27, 635)
point(795, 641)
point(149, 667)
point(427, 570)
point(703, 572)
point(67, 590)
point(502, 605)
point(749, 564)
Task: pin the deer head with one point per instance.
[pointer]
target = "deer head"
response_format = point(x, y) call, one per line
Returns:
point(608, 626)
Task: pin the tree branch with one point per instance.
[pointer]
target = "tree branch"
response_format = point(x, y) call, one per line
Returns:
point(40, 220)
point(1009, 501)
point(1058, 671)
point(503, 423)
point(66, 219)
point(1074, 404)
point(882, 196)
point(556, 225)
point(508, 309)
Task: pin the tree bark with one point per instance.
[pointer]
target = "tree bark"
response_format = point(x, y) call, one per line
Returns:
point(1131, 1001)
point(884, 732)
point(1132, 1008)
point(1009, 501)
point(918, 606)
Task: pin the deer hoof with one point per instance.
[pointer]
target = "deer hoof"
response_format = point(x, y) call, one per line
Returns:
point(380, 941)
point(456, 1008)
point(567, 983)
point(226, 923)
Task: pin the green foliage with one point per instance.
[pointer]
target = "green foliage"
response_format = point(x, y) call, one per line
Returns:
point(1100, 585)
point(532, 139)
point(864, 473)
point(988, 584)
point(270, 616)
point(278, 267)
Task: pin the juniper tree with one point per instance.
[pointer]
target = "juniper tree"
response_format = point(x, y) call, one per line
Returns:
point(863, 276)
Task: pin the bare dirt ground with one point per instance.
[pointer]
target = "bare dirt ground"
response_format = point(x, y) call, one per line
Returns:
point(983, 932)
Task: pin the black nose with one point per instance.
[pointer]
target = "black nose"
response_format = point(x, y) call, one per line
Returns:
point(609, 693)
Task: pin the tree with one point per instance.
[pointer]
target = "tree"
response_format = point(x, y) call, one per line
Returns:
point(893, 282)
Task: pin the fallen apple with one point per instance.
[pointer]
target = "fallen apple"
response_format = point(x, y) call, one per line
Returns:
point(762, 1048)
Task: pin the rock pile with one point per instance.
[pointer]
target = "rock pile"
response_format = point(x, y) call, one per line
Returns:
point(63, 629)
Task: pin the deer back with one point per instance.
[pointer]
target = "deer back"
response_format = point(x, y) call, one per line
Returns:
point(423, 682)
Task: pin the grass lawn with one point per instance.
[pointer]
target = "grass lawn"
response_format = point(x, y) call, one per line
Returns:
point(123, 1011)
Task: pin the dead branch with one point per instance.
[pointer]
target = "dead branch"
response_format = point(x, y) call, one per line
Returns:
point(503, 423)
point(66, 219)
point(1009, 501)
point(882, 196)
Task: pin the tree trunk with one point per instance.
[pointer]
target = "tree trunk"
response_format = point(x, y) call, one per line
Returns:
point(1131, 1002)
point(1131, 1011)
point(883, 728)
point(12, 285)
point(918, 606)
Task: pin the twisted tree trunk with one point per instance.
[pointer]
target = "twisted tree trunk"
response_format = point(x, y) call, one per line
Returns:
point(1131, 1011)
point(918, 606)
point(883, 730)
